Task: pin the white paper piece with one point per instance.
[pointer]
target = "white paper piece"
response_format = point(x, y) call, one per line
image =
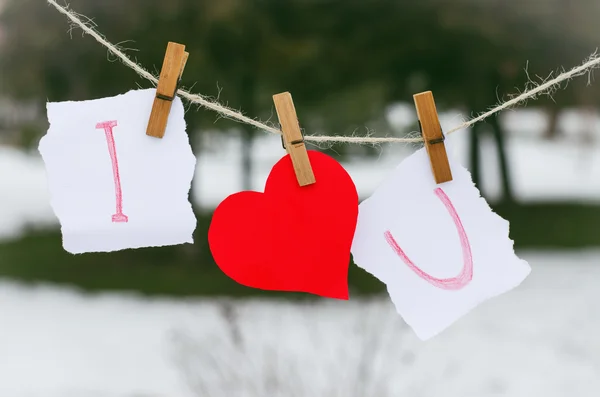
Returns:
point(112, 187)
point(440, 249)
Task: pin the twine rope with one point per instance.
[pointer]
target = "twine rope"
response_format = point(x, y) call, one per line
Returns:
point(547, 87)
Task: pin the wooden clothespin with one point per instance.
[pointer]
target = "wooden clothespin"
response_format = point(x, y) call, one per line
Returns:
point(433, 136)
point(170, 75)
point(293, 140)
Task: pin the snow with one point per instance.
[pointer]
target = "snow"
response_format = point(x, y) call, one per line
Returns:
point(539, 340)
point(24, 197)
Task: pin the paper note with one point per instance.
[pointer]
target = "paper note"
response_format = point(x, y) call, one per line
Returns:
point(440, 249)
point(112, 187)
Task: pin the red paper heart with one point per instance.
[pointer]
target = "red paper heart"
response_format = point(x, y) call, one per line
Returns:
point(290, 238)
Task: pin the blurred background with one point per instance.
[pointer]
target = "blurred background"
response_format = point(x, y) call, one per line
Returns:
point(166, 322)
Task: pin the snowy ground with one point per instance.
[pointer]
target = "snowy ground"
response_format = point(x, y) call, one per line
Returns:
point(539, 340)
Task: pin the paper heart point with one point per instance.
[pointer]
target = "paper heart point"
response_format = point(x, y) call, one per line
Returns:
point(290, 238)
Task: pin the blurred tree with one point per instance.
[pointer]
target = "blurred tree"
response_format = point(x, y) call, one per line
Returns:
point(344, 62)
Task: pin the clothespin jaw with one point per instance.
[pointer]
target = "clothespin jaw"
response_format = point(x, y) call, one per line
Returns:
point(170, 76)
point(293, 139)
point(433, 136)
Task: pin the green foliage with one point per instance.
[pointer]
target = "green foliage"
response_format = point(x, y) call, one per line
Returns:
point(342, 61)
point(186, 270)
point(189, 270)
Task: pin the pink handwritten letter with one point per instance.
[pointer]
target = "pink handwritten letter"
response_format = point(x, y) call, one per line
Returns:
point(454, 283)
point(110, 140)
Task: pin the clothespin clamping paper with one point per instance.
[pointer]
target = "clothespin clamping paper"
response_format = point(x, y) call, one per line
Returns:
point(292, 138)
point(168, 83)
point(433, 137)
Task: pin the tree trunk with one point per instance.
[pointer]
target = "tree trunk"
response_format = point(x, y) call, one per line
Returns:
point(505, 179)
point(474, 158)
point(196, 144)
point(191, 251)
point(552, 130)
point(247, 164)
point(247, 95)
point(248, 98)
